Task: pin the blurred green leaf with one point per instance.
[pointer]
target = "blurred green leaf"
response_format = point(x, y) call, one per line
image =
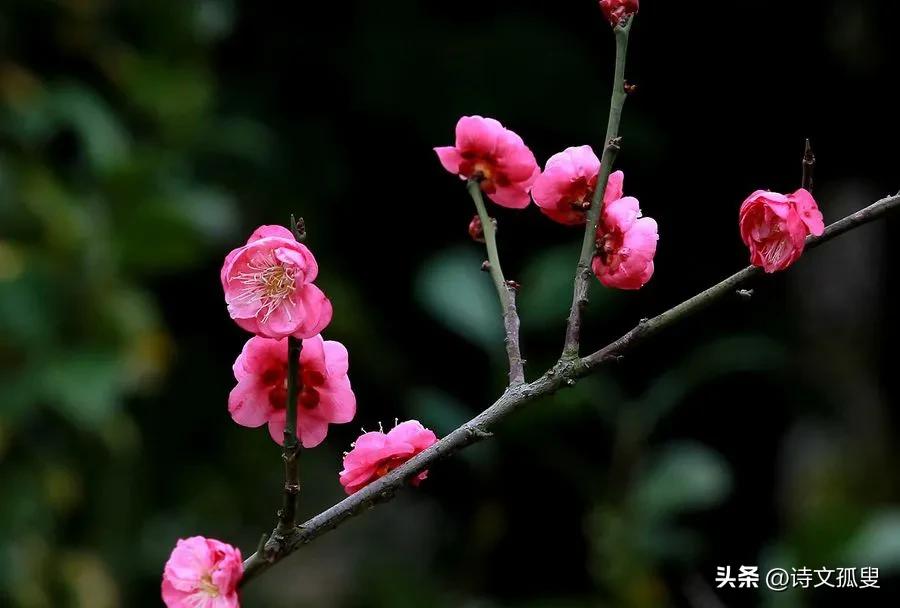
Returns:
point(174, 94)
point(26, 314)
point(75, 106)
point(83, 386)
point(730, 355)
point(214, 19)
point(682, 477)
point(878, 542)
point(437, 410)
point(175, 231)
point(452, 288)
point(547, 296)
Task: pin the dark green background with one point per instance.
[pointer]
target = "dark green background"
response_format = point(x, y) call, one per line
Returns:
point(141, 141)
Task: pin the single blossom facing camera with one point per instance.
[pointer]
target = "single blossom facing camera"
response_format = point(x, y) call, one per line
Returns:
point(774, 227)
point(497, 157)
point(202, 573)
point(269, 286)
point(564, 191)
point(617, 10)
point(626, 242)
point(260, 396)
point(376, 454)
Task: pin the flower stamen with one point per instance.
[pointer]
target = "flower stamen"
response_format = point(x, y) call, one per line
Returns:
point(269, 282)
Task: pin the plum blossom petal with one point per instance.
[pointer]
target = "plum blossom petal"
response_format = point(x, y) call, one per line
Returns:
point(376, 453)
point(202, 573)
point(325, 398)
point(564, 191)
point(497, 157)
point(268, 285)
point(809, 211)
point(626, 242)
point(774, 227)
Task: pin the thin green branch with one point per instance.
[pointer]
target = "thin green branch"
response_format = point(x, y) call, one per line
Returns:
point(607, 161)
point(505, 291)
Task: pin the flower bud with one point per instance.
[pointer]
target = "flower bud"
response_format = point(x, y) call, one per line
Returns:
point(476, 230)
point(616, 11)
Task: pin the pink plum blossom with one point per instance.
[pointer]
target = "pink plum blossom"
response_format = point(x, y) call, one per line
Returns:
point(617, 10)
point(775, 226)
point(269, 287)
point(563, 192)
point(376, 454)
point(202, 573)
point(626, 243)
point(498, 157)
point(261, 392)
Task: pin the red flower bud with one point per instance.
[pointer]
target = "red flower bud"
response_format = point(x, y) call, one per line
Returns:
point(616, 11)
point(476, 230)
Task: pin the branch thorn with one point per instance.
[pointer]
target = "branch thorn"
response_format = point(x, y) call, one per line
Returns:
point(809, 166)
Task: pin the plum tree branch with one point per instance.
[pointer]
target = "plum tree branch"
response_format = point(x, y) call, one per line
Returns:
point(505, 291)
point(565, 373)
point(608, 159)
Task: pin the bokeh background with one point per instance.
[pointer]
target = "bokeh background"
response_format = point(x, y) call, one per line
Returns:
point(140, 141)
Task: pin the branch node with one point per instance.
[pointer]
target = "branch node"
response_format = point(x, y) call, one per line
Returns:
point(298, 227)
point(479, 433)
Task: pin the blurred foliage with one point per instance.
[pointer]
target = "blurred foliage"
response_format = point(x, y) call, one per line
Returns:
point(101, 189)
point(140, 141)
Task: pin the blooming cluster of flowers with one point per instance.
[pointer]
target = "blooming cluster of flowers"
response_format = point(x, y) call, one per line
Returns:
point(270, 292)
point(773, 226)
point(509, 175)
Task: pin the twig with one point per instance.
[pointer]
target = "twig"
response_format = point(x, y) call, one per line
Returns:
point(809, 167)
point(287, 517)
point(649, 327)
point(611, 147)
point(506, 290)
point(564, 373)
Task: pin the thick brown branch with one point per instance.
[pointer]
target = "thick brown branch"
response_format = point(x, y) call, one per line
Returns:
point(564, 373)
